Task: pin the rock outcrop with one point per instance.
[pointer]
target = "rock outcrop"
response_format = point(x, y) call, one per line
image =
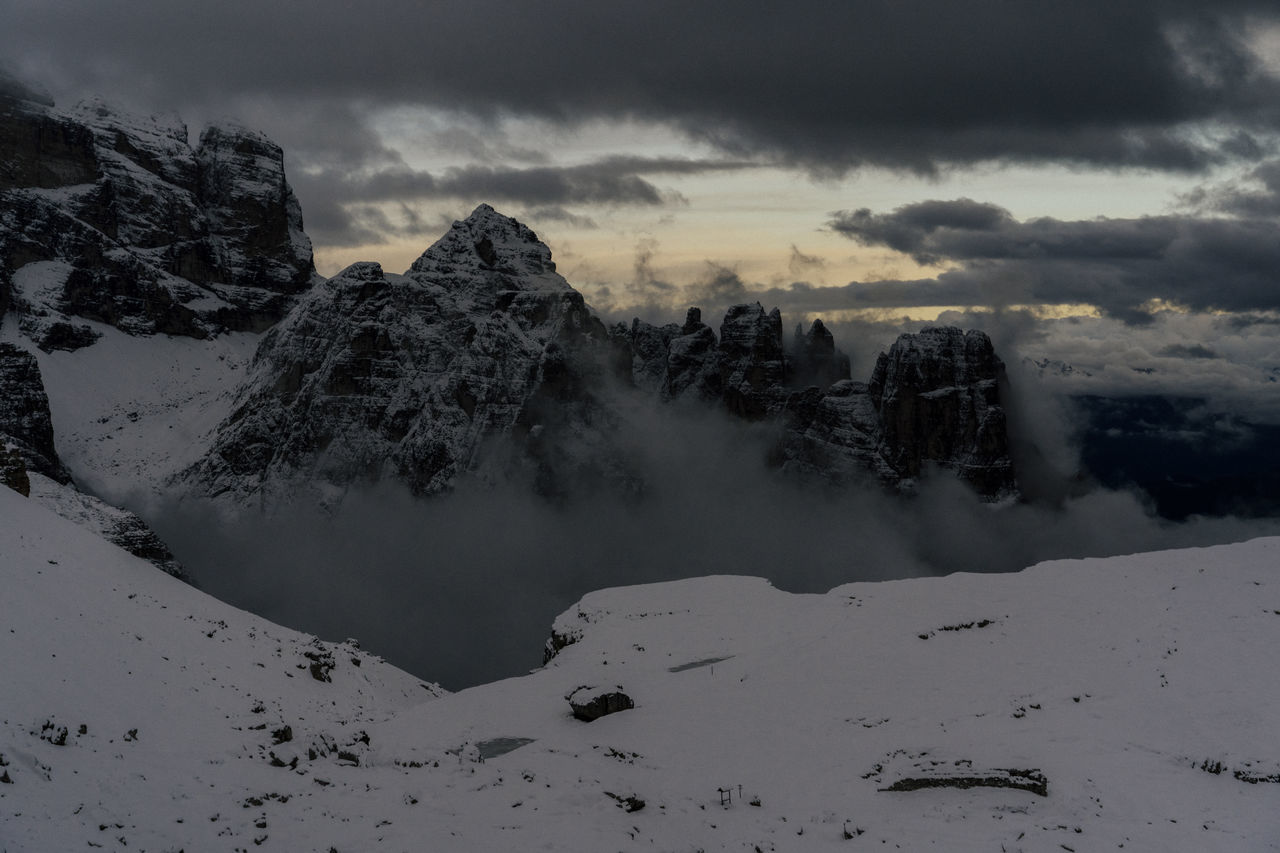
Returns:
point(26, 426)
point(117, 219)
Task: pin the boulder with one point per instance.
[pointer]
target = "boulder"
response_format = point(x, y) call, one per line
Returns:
point(592, 703)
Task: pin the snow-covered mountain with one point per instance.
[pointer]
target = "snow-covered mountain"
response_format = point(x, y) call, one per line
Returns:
point(1122, 703)
point(113, 231)
point(482, 359)
point(116, 218)
point(161, 323)
point(479, 361)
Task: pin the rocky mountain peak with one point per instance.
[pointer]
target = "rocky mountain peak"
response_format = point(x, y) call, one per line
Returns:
point(490, 243)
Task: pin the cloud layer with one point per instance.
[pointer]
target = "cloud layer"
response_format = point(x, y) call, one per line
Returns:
point(910, 85)
point(1119, 265)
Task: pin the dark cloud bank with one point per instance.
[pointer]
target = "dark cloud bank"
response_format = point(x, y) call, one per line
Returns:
point(1119, 265)
point(1168, 85)
point(834, 85)
point(463, 589)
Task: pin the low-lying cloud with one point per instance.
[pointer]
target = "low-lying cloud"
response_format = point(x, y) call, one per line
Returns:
point(462, 589)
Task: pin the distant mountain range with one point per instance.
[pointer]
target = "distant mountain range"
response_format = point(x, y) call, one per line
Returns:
point(479, 361)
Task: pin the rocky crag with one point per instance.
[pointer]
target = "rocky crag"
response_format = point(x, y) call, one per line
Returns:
point(933, 398)
point(117, 219)
point(481, 359)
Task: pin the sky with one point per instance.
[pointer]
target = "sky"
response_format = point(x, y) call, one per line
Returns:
point(1095, 183)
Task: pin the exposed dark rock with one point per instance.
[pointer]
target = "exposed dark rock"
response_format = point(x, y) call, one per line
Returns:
point(115, 218)
point(934, 398)
point(628, 803)
point(815, 359)
point(556, 643)
point(65, 336)
point(13, 470)
point(1032, 781)
point(133, 535)
point(938, 398)
point(693, 361)
point(753, 364)
point(592, 703)
point(24, 414)
point(27, 448)
point(482, 360)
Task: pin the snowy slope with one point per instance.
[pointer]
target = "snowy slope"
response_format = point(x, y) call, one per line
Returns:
point(130, 411)
point(138, 711)
point(1139, 691)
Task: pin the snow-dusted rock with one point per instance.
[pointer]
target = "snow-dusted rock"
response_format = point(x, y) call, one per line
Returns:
point(482, 359)
point(479, 347)
point(130, 226)
point(753, 363)
point(25, 423)
point(938, 398)
point(693, 361)
point(590, 703)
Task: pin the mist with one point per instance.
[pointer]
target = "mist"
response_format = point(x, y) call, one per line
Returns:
point(462, 588)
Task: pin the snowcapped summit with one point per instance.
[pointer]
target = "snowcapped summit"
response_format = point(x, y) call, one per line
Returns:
point(494, 246)
point(376, 375)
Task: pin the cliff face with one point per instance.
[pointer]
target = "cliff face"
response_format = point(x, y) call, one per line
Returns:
point(938, 398)
point(26, 427)
point(116, 218)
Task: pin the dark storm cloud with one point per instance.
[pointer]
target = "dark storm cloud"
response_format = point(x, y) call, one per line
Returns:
point(828, 86)
point(337, 193)
point(1188, 351)
point(1257, 195)
point(1118, 265)
point(613, 180)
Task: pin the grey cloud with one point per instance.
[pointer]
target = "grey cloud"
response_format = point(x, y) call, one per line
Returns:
point(799, 262)
point(1188, 351)
point(1118, 265)
point(560, 214)
point(719, 286)
point(826, 86)
point(1256, 196)
point(612, 180)
point(608, 181)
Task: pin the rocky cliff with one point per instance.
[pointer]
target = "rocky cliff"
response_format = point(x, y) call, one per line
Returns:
point(481, 359)
point(934, 397)
point(116, 218)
